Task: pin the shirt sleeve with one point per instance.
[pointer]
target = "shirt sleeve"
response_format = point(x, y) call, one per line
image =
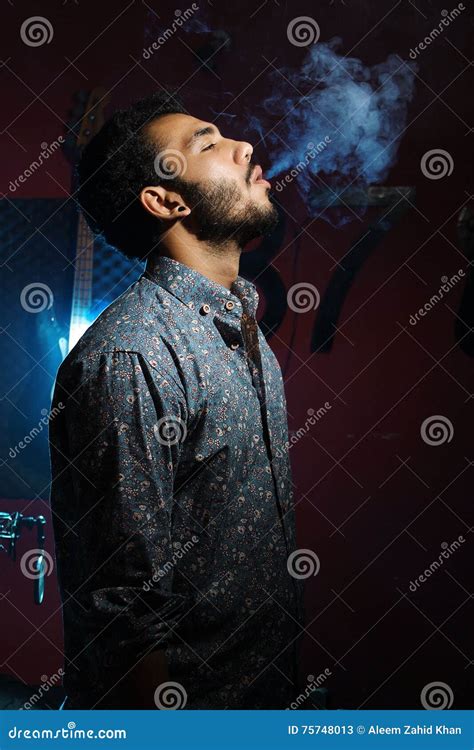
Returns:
point(116, 431)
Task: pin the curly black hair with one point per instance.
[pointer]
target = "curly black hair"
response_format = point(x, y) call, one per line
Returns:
point(113, 169)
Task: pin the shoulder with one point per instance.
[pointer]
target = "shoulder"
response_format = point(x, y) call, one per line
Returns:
point(135, 330)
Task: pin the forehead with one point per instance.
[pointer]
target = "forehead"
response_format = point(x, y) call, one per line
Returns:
point(175, 130)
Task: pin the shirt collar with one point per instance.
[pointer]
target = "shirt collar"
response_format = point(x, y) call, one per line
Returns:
point(198, 291)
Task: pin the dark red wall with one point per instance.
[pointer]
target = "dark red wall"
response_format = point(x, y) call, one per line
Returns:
point(374, 501)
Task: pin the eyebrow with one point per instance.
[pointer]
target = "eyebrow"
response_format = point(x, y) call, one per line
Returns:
point(208, 130)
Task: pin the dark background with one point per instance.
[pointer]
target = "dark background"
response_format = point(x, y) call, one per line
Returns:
point(375, 502)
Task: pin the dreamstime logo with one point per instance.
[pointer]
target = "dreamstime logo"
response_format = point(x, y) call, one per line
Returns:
point(296, 435)
point(447, 18)
point(36, 297)
point(303, 31)
point(170, 696)
point(178, 554)
point(36, 31)
point(47, 150)
point(436, 696)
point(170, 164)
point(45, 420)
point(302, 297)
point(437, 430)
point(170, 430)
point(311, 153)
point(303, 563)
point(46, 684)
point(446, 287)
point(312, 684)
point(447, 551)
point(70, 731)
point(179, 20)
point(436, 164)
point(36, 563)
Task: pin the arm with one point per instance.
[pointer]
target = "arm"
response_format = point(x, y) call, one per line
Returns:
point(113, 465)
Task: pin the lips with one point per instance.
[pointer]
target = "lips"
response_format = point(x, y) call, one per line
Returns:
point(257, 174)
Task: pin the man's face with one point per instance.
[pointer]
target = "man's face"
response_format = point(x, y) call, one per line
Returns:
point(215, 177)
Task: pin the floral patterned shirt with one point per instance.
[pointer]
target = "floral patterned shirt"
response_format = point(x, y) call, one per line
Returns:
point(172, 497)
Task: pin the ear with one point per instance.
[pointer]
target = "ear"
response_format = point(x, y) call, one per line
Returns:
point(163, 204)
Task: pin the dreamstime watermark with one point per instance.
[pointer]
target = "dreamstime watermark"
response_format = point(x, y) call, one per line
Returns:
point(448, 551)
point(447, 285)
point(181, 18)
point(36, 563)
point(71, 732)
point(47, 150)
point(303, 563)
point(311, 154)
point(36, 297)
point(170, 163)
point(302, 31)
point(436, 164)
point(296, 435)
point(170, 696)
point(447, 18)
point(302, 297)
point(37, 430)
point(313, 683)
point(436, 696)
point(180, 552)
point(437, 430)
point(36, 31)
point(170, 430)
point(46, 684)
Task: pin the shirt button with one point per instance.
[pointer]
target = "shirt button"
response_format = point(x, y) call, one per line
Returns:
point(229, 305)
point(235, 345)
point(205, 309)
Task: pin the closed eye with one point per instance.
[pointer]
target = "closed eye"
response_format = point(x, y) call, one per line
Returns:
point(211, 145)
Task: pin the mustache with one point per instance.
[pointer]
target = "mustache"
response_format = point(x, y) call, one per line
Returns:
point(250, 171)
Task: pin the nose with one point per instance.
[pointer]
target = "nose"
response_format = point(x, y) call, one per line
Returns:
point(243, 152)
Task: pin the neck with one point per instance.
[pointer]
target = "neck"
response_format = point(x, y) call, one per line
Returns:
point(221, 264)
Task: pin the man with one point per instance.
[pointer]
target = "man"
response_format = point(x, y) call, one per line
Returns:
point(172, 490)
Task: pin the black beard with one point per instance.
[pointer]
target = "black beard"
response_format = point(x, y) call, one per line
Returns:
point(216, 218)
